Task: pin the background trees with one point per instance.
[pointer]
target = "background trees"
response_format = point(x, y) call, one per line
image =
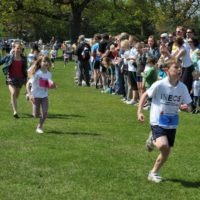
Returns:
point(66, 19)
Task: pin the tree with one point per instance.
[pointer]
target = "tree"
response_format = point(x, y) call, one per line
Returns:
point(175, 12)
point(69, 11)
point(70, 18)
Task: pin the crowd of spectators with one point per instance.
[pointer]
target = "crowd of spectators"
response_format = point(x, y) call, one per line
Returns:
point(124, 65)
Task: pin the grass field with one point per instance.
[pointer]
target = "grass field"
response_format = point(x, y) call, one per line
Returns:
point(93, 148)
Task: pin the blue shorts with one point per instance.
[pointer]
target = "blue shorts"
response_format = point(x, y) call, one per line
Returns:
point(158, 131)
point(138, 78)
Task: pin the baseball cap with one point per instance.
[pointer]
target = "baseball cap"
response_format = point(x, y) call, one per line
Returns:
point(164, 35)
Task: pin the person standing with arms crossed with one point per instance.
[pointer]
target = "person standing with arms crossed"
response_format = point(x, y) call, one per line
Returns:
point(168, 96)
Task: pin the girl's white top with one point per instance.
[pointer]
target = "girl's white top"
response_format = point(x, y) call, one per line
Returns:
point(38, 90)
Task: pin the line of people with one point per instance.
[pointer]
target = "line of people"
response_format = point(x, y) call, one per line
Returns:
point(123, 65)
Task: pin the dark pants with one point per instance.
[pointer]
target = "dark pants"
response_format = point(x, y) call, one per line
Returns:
point(119, 87)
point(84, 68)
point(186, 77)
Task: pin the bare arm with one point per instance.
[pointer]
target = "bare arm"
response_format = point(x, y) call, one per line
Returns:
point(186, 107)
point(28, 89)
point(142, 101)
point(179, 54)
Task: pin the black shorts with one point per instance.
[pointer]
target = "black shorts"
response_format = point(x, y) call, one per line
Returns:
point(139, 78)
point(17, 82)
point(132, 80)
point(158, 131)
point(102, 68)
point(96, 64)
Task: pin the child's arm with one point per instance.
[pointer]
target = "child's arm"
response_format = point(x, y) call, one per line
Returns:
point(51, 84)
point(28, 90)
point(140, 115)
point(186, 107)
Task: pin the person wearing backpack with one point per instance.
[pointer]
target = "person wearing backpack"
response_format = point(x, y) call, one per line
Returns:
point(83, 53)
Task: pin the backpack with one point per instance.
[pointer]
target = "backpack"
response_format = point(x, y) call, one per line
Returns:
point(85, 53)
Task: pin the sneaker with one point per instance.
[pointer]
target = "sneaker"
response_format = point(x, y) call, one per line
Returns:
point(39, 130)
point(154, 177)
point(136, 104)
point(123, 99)
point(149, 142)
point(105, 91)
point(131, 102)
point(16, 116)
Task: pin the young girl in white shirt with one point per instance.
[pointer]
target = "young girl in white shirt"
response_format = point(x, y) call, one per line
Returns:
point(40, 80)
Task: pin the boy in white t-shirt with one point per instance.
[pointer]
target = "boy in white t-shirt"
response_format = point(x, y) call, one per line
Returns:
point(168, 96)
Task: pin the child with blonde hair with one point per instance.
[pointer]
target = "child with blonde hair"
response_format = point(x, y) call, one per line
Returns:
point(40, 80)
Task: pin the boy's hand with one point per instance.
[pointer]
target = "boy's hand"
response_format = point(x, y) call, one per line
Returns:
point(140, 117)
point(184, 107)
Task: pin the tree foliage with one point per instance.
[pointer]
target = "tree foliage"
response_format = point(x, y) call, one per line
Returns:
point(32, 19)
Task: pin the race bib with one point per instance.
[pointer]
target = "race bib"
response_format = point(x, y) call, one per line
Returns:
point(168, 120)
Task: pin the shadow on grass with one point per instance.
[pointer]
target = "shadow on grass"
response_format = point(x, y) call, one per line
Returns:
point(63, 116)
point(26, 115)
point(188, 184)
point(53, 116)
point(72, 133)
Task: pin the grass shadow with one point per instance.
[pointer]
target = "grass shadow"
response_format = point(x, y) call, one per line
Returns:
point(72, 133)
point(63, 116)
point(53, 116)
point(26, 115)
point(188, 184)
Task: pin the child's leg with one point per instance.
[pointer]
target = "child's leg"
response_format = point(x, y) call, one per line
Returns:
point(14, 93)
point(44, 104)
point(195, 102)
point(65, 62)
point(52, 62)
point(36, 107)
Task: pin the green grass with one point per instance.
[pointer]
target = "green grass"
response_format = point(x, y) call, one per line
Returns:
point(93, 149)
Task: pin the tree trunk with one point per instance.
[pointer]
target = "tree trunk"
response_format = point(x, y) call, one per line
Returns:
point(75, 25)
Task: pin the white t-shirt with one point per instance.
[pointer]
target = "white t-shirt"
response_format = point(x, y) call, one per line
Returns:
point(186, 59)
point(53, 54)
point(31, 57)
point(45, 52)
point(166, 100)
point(40, 83)
point(196, 88)
point(127, 54)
